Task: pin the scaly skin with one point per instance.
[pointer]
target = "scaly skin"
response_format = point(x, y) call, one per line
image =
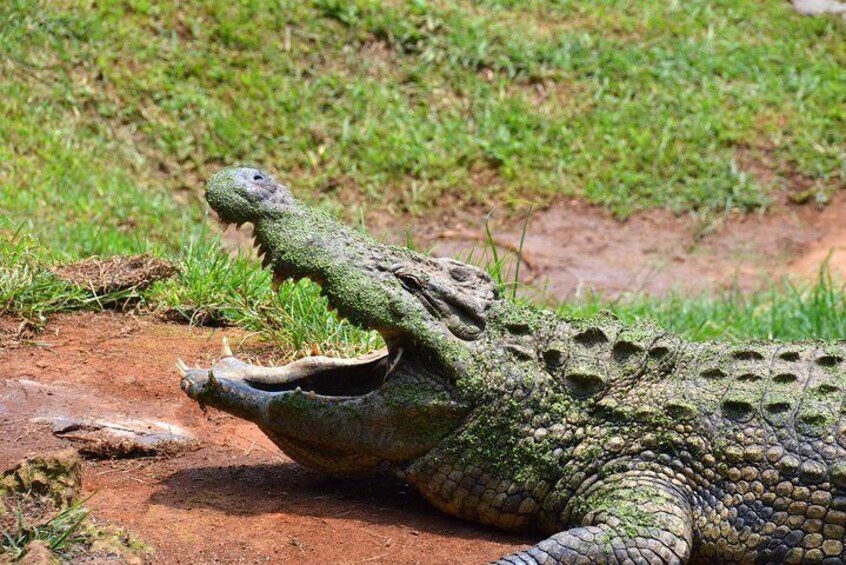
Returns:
point(624, 444)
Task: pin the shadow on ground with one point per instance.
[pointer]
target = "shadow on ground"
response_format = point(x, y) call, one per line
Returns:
point(288, 488)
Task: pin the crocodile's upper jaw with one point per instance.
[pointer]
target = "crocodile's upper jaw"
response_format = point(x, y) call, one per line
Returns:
point(388, 406)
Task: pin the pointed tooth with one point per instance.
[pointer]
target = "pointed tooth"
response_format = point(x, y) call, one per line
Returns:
point(394, 362)
point(212, 379)
point(181, 367)
point(298, 389)
point(312, 395)
point(225, 350)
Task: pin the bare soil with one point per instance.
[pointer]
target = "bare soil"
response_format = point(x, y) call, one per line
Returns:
point(572, 248)
point(235, 498)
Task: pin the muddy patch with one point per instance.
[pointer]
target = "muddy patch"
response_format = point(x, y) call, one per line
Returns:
point(571, 249)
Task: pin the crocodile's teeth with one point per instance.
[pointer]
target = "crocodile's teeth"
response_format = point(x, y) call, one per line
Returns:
point(312, 395)
point(181, 367)
point(394, 363)
point(212, 379)
point(298, 389)
point(225, 350)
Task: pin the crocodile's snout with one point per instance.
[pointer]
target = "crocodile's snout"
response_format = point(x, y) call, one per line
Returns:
point(245, 194)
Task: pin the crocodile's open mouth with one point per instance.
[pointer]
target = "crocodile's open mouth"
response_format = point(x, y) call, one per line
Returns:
point(329, 379)
point(317, 377)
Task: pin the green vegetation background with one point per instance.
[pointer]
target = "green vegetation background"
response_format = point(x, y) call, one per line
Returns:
point(114, 112)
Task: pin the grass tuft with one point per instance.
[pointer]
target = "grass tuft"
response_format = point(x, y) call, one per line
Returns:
point(61, 534)
point(785, 311)
point(215, 287)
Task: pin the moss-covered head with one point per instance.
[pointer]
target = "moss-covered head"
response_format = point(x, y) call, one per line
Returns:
point(345, 415)
point(438, 304)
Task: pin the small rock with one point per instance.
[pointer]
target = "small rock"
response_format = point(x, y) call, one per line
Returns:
point(819, 7)
point(56, 475)
point(122, 439)
point(39, 553)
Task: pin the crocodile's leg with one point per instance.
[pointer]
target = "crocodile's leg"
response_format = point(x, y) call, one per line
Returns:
point(633, 518)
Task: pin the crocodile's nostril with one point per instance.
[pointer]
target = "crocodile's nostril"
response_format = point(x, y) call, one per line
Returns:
point(258, 176)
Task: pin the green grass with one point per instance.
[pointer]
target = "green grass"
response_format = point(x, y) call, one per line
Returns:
point(114, 113)
point(631, 105)
point(61, 534)
point(235, 290)
point(785, 311)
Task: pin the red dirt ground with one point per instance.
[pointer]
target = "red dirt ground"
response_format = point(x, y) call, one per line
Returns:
point(237, 498)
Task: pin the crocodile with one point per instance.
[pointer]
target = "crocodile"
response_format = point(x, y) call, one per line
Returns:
point(620, 442)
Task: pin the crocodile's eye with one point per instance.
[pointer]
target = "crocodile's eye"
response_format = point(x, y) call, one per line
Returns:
point(410, 282)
